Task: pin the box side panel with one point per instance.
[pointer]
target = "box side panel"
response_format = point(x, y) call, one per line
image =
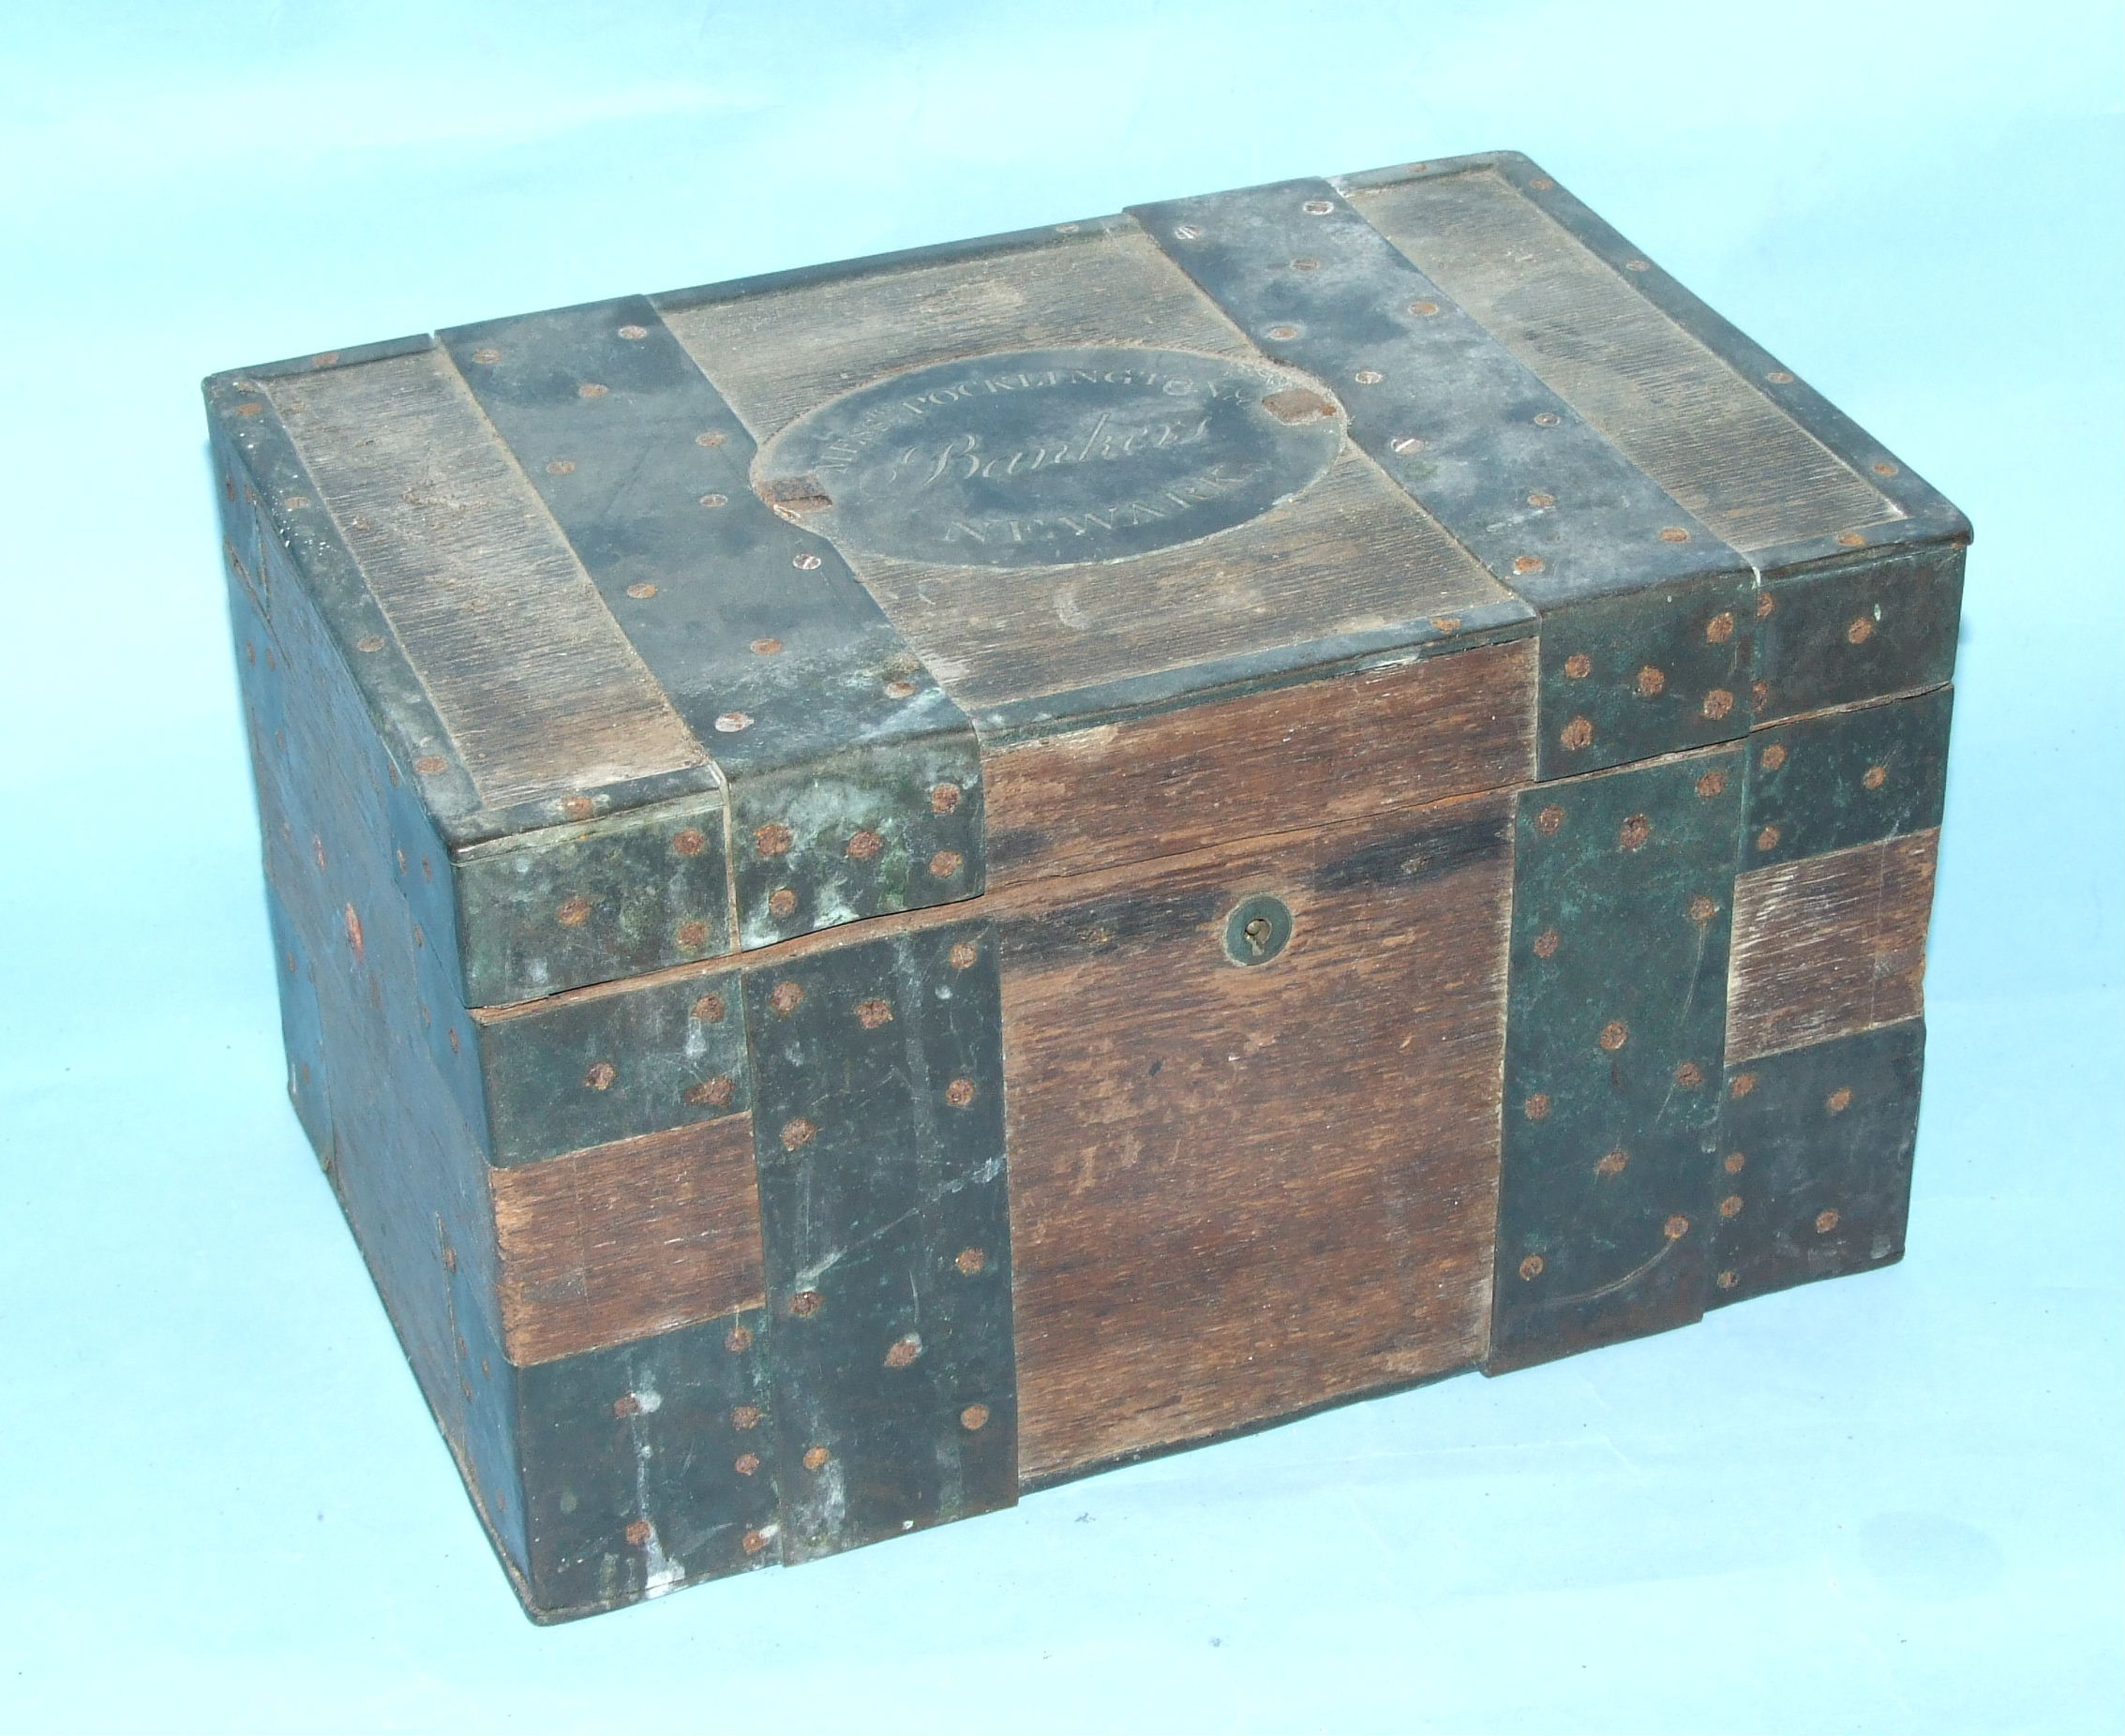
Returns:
point(1296, 757)
point(387, 1106)
point(1240, 1190)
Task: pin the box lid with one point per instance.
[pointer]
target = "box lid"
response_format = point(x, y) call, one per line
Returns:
point(772, 560)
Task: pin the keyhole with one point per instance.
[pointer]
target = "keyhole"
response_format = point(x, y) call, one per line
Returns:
point(1257, 929)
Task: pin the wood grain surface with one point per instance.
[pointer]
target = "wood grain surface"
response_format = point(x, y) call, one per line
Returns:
point(1241, 1191)
point(620, 1241)
point(539, 689)
point(1705, 434)
point(1321, 753)
point(1829, 946)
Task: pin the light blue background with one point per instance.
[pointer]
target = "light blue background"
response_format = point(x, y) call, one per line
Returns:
point(1886, 1505)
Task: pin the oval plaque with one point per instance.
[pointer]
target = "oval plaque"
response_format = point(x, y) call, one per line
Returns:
point(1051, 457)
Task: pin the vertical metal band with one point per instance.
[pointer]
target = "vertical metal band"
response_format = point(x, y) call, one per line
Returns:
point(1623, 893)
point(1656, 607)
point(878, 1130)
point(853, 780)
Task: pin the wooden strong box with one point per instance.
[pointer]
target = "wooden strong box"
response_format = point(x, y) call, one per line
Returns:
point(900, 881)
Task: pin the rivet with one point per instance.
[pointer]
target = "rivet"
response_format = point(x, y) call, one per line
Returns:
point(781, 902)
point(1541, 498)
point(787, 998)
point(1612, 1163)
point(1547, 419)
point(1759, 691)
point(745, 1416)
point(601, 1076)
point(1727, 1281)
point(1839, 1100)
point(1702, 909)
point(1188, 232)
point(1674, 534)
point(1407, 443)
point(589, 388)
point(1779, 377)
point(1651, 682)
point(944, 864)
point(627, 1404)
point(1638, 264)
point(1635, 830)
point(865, 845)
point(1825, 1221)
point(1717, 703)
point(632, 333)
point(1541, 184)
point(1676, 1228)
point(737, 1341)
point(1730, 1206)
point(1546, 943)
point(1368, 376)
point(1283, 334)
point(766, 648)
point(710, 439)
point(1614, 1035)
point(1772, 757)
point(973, 1417)
point(1578, 666)
point(1536, 1108)
point(1527, 563)
point(560, 467)
point(1875, 776)
point(1860, 632)
point(960, 1093)
point(774, 839)
point(690, 842)
point(1446, 623)
point(577, 808)
point(963, 953)
point(1577, 734)
point(1531, 1266)
point(1765, 604)
point(944, 798)
point(574, 912)
point(1306, 264)
point(1885, 469)
point(710, 1094)
point(1548, 820)
point(641, 593)
point(816, 1457)
point(1688, 1075)
point(487, 357)
point(806, 1303)
point(692, 936)
point(1317, 207)
point(709, 1010)
point(746, 1463)
point(1720, 628)
point(798, 1132)
point(899, 688)
point(971, 1261)
point(870, 1014)
point(1743, 1084)
point(723, 499)
point(903, 1350)
point(1711, 784)
point(639, 1532)
point(731, 723)
point(430, 764)
point(1735, 1163)
point(1850, 539)
point(805, 562)
point(1767, 839)
point(368, 642)
point(1424, 309)
point(753, 1542)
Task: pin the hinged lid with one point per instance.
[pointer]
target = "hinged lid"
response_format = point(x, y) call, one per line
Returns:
point(687, 617)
